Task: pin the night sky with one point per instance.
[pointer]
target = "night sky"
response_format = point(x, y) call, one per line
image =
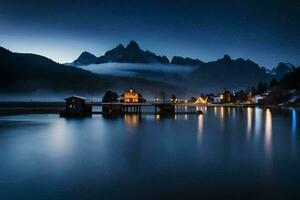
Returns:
point(265, 31)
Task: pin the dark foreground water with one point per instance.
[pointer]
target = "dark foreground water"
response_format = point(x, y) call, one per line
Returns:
point(229, 153)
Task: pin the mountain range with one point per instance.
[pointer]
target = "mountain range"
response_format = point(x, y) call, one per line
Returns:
point(132, 53)
point(148, 71)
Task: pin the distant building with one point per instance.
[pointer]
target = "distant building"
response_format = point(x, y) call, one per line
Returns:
point(201, 100)
point(132, 96)
point(217, 99)
point(260, 97)
point(76, 107)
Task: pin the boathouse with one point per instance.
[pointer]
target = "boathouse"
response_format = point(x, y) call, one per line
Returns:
point(76, 107)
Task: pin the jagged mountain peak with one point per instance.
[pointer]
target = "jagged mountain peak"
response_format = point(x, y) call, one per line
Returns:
point(133, 44)
point(120, 46)
point(226, 57)
point(178, 60)
point(85, 58)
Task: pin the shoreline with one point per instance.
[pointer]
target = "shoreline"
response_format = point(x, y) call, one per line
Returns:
point(15, 108)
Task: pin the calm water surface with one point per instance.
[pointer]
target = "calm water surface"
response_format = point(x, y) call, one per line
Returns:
point(229, 153)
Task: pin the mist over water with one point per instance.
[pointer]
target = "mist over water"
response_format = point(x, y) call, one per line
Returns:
point(155, 72)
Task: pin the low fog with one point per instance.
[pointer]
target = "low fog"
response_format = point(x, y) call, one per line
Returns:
point(156, 72)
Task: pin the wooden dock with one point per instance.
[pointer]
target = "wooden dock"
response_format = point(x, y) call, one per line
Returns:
point(31, 107)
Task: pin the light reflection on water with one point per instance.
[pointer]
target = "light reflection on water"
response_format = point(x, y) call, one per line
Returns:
point(268, 132)
point(249, 121)
point(294, 126)
point(143, 153)
point(200, 128)
point(258, 121)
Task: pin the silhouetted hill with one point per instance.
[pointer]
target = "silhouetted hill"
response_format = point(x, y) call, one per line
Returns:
point(178, 60)
point(85, 58)
point(229, 73)
point(282, 69)
point(29, 72)
point(291, 80)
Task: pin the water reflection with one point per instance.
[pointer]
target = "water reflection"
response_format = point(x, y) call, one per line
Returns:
point(185, 116)
point(200, 128)
point(60, 142)
point(268, 132)
point(249, 121)
point(233, 112)
point(222, 113)
point(200, 124)
point(258, 122)
point(222, 117)
point(132, 119)
point(157, 116)
point(294, 126)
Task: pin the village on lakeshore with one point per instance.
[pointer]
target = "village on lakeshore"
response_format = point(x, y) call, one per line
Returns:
point(131, 101)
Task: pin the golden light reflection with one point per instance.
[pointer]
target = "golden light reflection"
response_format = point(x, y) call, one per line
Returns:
point(200, 124)
point(131, 120)
point(249, 120)
point(268, 132)
point(222, 117)
point(157, 117)
point(222, 113)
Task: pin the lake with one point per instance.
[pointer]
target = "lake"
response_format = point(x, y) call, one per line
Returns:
point(227, 153)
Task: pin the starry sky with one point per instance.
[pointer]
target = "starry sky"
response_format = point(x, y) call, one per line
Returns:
point(265, 31)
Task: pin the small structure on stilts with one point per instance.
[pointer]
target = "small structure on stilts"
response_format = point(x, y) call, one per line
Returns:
point(131, 100)
point(76, 107)
point(165, 109)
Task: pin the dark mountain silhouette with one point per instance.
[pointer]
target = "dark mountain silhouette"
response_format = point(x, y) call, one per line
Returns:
point(132, 53)
point(286, 89)
point(112, 56)
point(178, 60)
point(29, 72)
point(85, 58)
point(291, 80)
point(282, 69)
point(229, 73)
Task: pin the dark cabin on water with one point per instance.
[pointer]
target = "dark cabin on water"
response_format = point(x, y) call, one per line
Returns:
point(76, 107)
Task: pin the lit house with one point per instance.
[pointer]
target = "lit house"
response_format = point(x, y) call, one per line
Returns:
point(201, 100)
point(132, 96)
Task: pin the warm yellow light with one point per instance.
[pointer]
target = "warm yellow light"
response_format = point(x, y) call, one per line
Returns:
point(221, 96)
